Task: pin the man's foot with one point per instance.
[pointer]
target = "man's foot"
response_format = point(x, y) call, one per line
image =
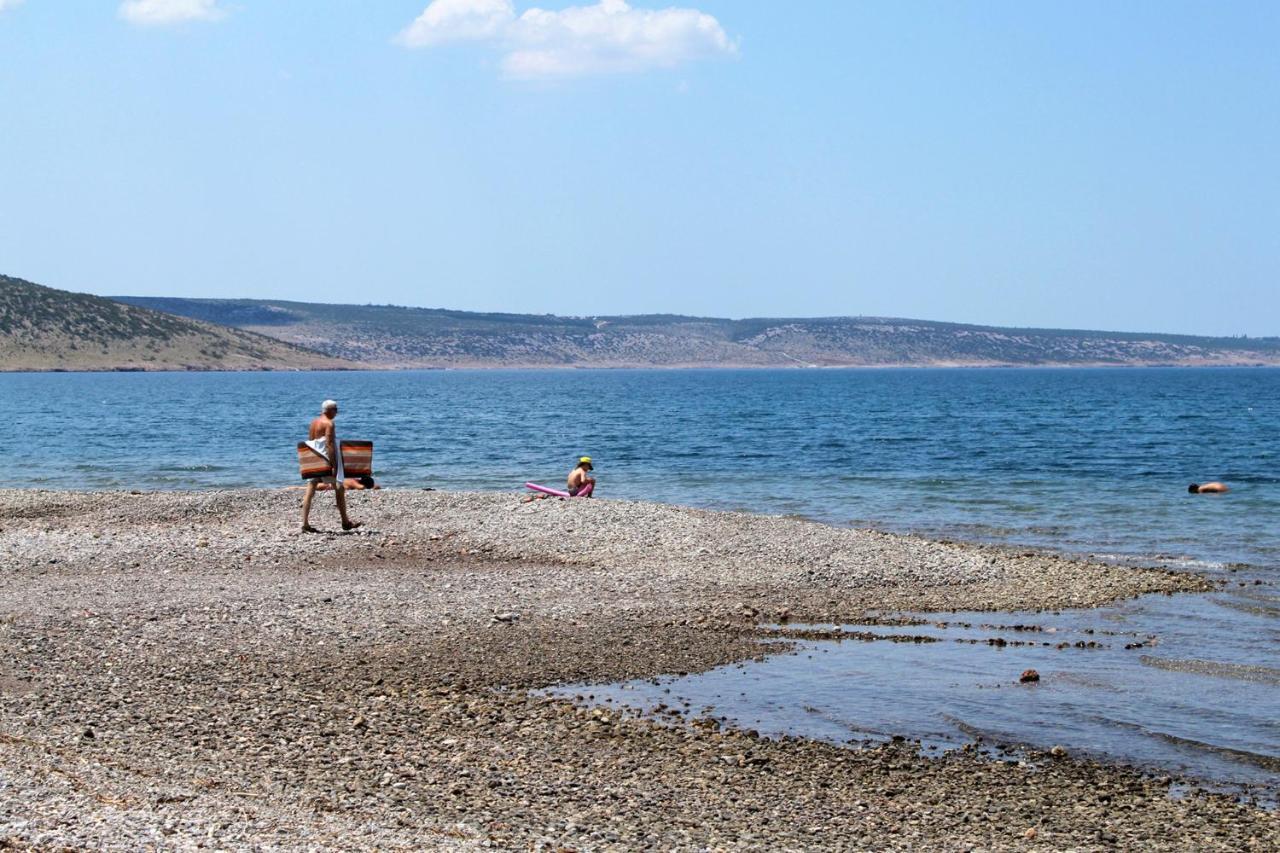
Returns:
point(307, 528)
point(350, 525)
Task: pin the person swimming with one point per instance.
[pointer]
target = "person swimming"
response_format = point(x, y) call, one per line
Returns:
point(1208, 488)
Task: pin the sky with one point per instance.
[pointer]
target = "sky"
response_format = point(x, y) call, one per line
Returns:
point(1055, 164)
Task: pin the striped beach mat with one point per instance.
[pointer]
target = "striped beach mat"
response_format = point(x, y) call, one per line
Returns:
point(311, 464)
point(357, 458)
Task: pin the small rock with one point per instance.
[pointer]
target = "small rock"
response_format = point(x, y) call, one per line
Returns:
point(1029, 675)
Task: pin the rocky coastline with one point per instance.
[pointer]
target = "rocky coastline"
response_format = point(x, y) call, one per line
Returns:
point(183, 670)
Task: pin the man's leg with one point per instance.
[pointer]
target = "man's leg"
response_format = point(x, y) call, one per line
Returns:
point(341, 492)
point(306, 507)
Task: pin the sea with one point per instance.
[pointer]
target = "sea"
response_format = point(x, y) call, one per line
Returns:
point(1091, 462)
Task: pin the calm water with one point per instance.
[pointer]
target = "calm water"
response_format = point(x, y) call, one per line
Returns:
point(1088, 461)
point(1092, 460)
point(1186, 700)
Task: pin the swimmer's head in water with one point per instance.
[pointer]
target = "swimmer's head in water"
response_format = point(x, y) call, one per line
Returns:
point(1193, 488)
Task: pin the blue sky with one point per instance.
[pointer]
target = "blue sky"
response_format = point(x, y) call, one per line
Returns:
point(1085, 164)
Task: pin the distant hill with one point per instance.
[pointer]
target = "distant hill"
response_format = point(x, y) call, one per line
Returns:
point(46, 329)
point(391, 336)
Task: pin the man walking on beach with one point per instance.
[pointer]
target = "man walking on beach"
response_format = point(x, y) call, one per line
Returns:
point(323, 438)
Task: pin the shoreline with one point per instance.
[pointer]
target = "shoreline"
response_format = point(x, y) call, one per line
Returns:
point(941, 365)
point(246, 684)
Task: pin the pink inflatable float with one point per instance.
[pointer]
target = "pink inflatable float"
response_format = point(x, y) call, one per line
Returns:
point(584, 493)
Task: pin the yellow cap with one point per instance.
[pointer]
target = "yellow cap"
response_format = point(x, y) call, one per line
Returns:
point(585, 460)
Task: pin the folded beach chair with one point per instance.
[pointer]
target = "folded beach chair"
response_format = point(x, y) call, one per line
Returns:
point(357, 460)
point(311, 464)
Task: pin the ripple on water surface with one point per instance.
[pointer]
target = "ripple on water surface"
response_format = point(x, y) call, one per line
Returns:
point(1137, 682)
point(1089, 462)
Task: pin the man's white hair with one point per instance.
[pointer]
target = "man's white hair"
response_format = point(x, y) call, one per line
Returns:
point(328, 405)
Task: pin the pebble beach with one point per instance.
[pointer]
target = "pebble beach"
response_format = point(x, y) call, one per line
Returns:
point(184, 670)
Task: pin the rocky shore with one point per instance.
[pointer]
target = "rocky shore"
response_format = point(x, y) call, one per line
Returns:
point(184, 670)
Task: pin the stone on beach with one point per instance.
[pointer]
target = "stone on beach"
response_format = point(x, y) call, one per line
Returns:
point(357, 693)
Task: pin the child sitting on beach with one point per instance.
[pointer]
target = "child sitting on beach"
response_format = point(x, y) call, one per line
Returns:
point(580, 485)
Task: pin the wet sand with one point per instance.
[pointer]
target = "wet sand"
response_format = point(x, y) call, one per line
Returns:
point(183, 669)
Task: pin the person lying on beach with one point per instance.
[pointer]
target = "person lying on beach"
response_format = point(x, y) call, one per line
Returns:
point(1207, 488)
point(323, 428)
point(353, 484)
point(581, 485)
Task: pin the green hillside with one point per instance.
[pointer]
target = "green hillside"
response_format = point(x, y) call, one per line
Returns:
point(393, 336)
point(46, 329)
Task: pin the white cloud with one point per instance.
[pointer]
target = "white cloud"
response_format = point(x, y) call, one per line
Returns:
point(458, 20)
point(606, 38)
point(161, 12)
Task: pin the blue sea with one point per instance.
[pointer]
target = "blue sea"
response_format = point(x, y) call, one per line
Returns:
point(1092, 462)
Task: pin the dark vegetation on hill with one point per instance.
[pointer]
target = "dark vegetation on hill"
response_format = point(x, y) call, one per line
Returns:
point(46, 329)
point(30, 310)
point(393, 336)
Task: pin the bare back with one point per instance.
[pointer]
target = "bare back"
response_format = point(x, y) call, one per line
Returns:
point(321, 427)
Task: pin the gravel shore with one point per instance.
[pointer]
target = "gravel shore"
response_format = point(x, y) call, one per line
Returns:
point(183, 670)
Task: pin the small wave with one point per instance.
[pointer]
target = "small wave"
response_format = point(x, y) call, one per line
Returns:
point(1239, 671)
point(1258, 609)
point(1268, 762)
point(990, 736)
point(1091, 682)
point(1258, 594)
point(1171, 560)
point(1251, 479)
